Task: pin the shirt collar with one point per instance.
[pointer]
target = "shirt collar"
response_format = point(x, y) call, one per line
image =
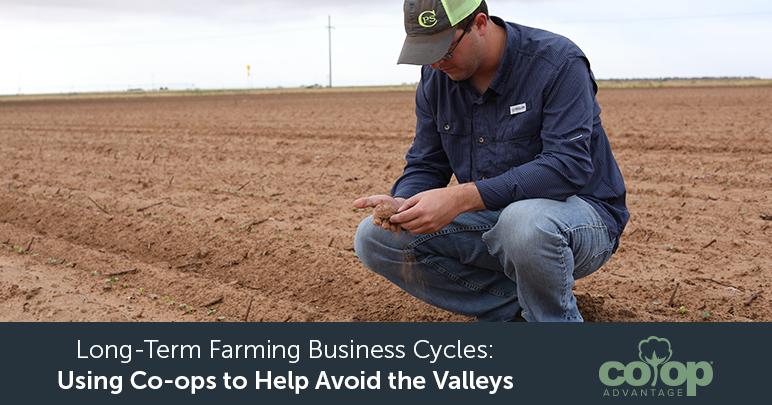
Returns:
point(499, 83)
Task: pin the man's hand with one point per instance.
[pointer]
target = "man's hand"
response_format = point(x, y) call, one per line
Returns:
point(432, 210)
point(384, 207)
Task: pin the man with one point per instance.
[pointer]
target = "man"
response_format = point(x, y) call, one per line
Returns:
point(511, 111)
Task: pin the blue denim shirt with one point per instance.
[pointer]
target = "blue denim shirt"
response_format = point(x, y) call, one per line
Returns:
point(535, 133)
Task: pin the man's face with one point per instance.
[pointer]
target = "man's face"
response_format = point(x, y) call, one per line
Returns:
point(467, 56)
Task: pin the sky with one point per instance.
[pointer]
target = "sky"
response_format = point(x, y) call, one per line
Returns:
point(58, 46)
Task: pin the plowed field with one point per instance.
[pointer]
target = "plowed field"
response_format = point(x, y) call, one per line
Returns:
point(241, 204)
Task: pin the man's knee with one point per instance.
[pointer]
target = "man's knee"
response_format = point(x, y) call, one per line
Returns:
point(380, 250)
point(526, 223)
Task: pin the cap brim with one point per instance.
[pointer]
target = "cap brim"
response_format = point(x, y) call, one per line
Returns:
point(426, 49)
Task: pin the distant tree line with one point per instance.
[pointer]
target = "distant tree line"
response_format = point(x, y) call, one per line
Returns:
point(688, 78)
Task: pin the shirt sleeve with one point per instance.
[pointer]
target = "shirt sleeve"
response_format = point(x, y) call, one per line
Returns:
point(428, 166)
point(564, 166)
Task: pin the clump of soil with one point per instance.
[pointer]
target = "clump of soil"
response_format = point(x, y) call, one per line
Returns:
point(384, 211)
point(384, 215)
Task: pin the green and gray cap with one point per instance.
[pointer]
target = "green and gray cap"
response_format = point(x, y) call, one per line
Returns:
point(429, 25)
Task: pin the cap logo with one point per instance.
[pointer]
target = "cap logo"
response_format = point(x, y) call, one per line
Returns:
point(428, 19)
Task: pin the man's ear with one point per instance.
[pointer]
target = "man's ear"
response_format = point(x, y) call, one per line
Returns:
point(481, 24)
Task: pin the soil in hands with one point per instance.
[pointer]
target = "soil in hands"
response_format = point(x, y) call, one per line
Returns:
point(384, 211)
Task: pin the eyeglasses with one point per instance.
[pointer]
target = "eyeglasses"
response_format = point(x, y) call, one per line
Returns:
point(449, 55)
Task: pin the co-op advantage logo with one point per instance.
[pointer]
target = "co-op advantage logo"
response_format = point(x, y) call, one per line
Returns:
point(655, 365)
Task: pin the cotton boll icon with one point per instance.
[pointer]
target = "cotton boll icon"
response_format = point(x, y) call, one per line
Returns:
point(651, 349)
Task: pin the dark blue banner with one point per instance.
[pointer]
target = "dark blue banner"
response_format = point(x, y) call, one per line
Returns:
point(382, 363)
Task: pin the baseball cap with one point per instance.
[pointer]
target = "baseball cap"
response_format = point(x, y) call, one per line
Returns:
point(430, 28)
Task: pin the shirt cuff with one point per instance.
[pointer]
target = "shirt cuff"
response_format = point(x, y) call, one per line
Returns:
point(497, 193)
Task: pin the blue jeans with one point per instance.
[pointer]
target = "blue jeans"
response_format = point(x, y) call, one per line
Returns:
point(492, 264)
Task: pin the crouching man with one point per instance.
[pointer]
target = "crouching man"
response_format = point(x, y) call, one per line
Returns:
point(511, 111)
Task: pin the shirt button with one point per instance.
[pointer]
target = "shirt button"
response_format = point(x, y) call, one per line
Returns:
point(484, 178)
point(447, 127)
point(482, 140)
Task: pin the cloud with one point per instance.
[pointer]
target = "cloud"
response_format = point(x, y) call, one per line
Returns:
point(210, 10)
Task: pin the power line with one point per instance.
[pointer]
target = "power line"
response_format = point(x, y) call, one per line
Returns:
point(329, 29)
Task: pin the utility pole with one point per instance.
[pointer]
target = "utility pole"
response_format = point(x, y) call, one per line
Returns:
point(329, 28)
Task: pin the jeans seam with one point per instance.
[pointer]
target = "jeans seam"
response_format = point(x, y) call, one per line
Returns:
point(461, 281)
point(561, 247)
point(599, 223)
point(564, 237)
point(592, 226)
point(445, 232)
point(603, 252)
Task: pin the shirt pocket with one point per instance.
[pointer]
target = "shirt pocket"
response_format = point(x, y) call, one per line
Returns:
point(518, 139)
point(456, 144)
